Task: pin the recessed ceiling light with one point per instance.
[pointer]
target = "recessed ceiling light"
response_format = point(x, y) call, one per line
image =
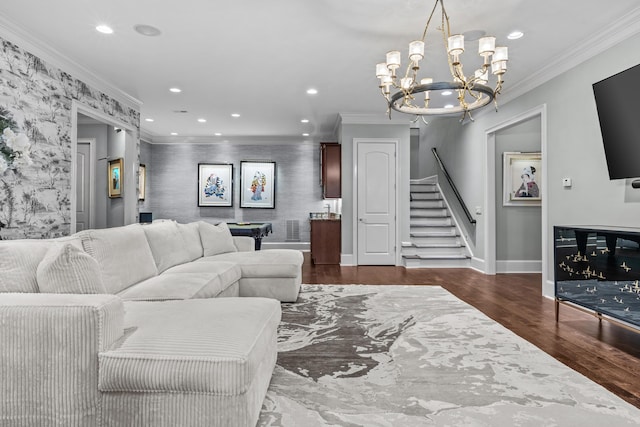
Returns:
point(448, 106)
point(104, 29)
point(236, 115)
point(147, 30)
point(304, 121)
point(446, 93)
point(202, 120)
point(217, 134)
point(305, 134)
point(312, 91)
point(149, 119)
point(174, 133)
point(175, 90)
point(515, 35)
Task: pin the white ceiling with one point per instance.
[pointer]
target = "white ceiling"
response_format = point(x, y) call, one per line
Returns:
point(258, 58)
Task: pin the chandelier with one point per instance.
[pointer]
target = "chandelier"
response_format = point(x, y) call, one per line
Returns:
point(472, 91)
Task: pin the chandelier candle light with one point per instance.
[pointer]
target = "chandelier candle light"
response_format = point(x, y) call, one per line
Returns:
point(473, 92)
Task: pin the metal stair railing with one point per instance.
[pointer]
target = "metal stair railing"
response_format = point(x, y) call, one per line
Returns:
point(453, 187)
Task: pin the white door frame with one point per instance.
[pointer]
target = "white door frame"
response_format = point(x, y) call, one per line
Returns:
point(78, 107)
point(356, 143)
point(490, 189)
point(92, 177)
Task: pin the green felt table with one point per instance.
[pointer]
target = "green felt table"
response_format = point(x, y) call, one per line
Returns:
point(257, 230)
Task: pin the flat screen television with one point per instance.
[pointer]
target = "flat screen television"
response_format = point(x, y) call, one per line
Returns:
point(617, 100)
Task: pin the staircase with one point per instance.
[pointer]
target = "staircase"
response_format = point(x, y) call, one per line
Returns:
point(435, 238)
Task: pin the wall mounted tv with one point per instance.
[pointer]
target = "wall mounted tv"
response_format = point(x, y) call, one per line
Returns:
point(617, 103)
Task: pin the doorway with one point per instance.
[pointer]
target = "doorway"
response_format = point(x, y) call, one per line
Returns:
point(376, 202)
point(113, 140)
point(492, 196)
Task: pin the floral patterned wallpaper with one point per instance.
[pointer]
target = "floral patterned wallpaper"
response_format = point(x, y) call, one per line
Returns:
point(35, 142)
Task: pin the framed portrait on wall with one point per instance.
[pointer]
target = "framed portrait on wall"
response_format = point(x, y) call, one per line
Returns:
point(115, 178)
point(215, 184)
point(142, 181)
point(258, 184)
point(521, 182)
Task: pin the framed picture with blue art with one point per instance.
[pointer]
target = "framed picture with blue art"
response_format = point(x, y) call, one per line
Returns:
point(215, 184)
point(115, 178)
point(258, 184)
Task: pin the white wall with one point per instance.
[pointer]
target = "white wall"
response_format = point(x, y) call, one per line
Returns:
point(574, 150)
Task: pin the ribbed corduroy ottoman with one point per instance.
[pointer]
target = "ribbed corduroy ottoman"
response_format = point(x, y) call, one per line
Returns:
point(193, 362)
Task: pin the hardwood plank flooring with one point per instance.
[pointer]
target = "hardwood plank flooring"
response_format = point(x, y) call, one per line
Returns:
point(602, 351)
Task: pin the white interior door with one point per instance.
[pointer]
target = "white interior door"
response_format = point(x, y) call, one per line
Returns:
point(376, 192)
point(84, 184)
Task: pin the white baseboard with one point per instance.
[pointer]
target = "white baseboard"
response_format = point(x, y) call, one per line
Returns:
point(301, 246)
point(347, 260)
point(478, 264)
point(519, 266)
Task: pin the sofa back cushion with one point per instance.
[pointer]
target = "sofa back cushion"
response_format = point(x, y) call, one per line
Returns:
point(216, 239)
point(66, 269)
point(167, 244)
point(19, 260)
point(191, 236)
point(123, 254)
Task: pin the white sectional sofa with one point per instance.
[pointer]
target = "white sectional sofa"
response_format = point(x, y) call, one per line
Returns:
point(140, 326)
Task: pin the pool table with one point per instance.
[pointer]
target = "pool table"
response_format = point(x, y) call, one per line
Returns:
point(257, 230)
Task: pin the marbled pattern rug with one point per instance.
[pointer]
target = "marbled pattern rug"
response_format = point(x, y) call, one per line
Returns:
point(395, 356)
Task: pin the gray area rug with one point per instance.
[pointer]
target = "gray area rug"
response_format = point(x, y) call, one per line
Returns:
point(364, 355)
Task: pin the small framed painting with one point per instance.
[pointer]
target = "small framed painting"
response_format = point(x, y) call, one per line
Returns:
point(521, 183)
point(116, 177)
point(142, 181)
point(215, 184)
point(258, 184)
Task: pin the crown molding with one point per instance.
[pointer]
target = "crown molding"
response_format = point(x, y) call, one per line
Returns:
point(613, 34)
point(370, 119)
point(18, 36)
point(235, 140)
point(146, 136)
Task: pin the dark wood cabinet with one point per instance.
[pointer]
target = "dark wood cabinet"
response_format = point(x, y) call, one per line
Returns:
point(325, 241)
point(331, 158)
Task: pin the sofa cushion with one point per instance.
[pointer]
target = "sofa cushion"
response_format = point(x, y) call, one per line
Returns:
point(19, 260)
point(66, 269)
point(191, 236)
point(228, 272)
point(266, 263)
point(123, 254)
point(176, 286)
point(167, 244)
point(210, 346)
point(216, 239)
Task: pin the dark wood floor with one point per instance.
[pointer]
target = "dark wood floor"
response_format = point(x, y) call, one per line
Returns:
point(604, 352)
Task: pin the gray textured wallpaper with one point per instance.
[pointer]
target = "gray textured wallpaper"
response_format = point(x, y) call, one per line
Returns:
point(173, 177)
